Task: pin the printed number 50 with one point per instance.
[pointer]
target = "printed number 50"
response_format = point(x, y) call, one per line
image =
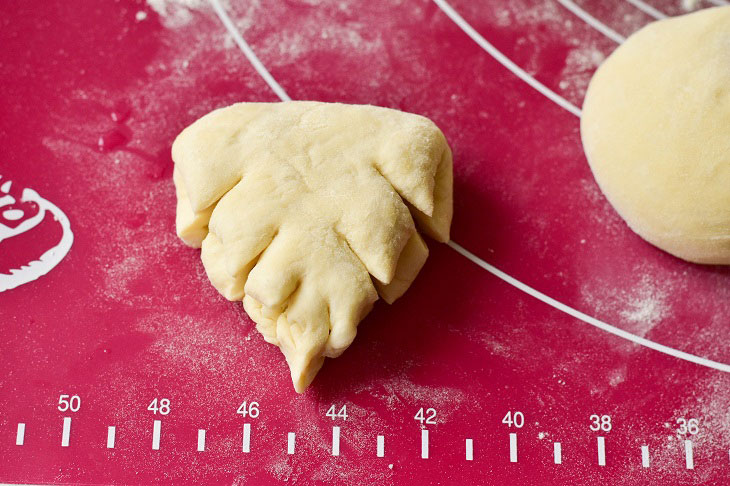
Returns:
point(68, 402)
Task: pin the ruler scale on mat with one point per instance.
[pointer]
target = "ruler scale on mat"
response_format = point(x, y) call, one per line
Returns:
point(123, 365)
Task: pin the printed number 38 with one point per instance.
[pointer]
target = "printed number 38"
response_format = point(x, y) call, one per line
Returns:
point(600, 422)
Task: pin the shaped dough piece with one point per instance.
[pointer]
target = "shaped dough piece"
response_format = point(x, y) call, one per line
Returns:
point(656, 131)
point(304, 209)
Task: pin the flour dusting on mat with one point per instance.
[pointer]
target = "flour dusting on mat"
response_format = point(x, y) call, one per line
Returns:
point(176, 13)
point(641, 307)
point(646, 305)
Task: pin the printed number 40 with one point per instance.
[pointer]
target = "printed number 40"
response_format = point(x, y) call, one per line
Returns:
point(514, 418)
point(428, 417)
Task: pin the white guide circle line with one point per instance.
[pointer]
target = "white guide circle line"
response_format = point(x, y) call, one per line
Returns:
point(248, 52)
point(469, 450)
point(557, 452)
point(592, 21)
point(504, 60)
point(648, 9)
point(469, 30)
point(584, 317)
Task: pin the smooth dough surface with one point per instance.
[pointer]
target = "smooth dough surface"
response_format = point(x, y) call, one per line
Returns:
point(656, 131)
point(305, 212)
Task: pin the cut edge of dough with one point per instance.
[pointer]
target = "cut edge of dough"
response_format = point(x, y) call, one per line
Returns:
point(411, 260)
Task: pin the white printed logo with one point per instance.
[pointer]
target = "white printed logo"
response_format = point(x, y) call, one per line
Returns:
point(50, 258)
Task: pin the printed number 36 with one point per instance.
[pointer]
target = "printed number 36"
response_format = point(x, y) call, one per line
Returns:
point(691, 426)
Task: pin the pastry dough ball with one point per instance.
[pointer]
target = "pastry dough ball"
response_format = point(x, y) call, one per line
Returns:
point(656, 131)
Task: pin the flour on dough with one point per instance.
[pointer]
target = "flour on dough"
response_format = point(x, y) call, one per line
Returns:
point(305, 211)
point(656, 131)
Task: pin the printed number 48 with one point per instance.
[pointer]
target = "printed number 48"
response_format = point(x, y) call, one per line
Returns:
point(163, 407)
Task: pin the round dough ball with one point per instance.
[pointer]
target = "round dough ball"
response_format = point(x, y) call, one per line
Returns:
point(656, 131)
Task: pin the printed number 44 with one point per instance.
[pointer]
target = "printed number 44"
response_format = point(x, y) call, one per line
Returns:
point(333, 414)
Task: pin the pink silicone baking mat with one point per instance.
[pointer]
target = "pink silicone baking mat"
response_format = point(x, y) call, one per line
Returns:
point(622, 379)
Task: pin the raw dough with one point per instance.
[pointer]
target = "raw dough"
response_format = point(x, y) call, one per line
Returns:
point(656, 130)
point(297, 204)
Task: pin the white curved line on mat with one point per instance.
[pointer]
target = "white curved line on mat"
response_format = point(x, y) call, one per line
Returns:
point(475, 259)
point(585, 317)
point(504, 60)
point(248, 52)
point(648, 9)
point(592, 21)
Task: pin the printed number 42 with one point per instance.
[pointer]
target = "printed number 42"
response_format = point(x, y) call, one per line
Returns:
point(427, 417)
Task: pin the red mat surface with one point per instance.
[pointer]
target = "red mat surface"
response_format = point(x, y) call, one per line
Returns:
point(94, 92)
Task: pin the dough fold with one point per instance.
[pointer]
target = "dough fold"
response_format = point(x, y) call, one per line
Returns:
point(305, 212)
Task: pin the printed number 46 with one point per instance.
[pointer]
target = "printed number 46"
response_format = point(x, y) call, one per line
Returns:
point(249, 409)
